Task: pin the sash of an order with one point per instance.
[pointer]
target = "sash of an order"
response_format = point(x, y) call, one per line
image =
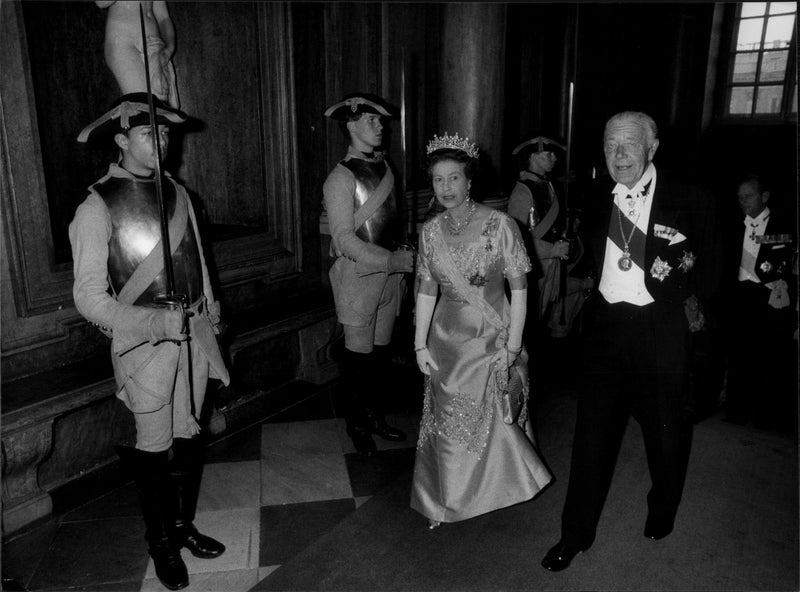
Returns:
point(153, 264)
point(465, 289)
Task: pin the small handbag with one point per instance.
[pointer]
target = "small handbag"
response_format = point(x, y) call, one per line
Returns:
point(513, 397)
point(513, 389)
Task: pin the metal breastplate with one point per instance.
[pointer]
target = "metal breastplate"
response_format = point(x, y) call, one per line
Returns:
point(382, 227)
point(136, 230)
point(541, 201)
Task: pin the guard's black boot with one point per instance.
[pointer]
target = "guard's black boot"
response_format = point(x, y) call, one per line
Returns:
point(187, 471)
point(362, 439)
point(355, 374)
point(157, 498)
point(381, 372)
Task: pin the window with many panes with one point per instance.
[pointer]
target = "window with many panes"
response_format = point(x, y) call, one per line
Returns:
point(762, 72)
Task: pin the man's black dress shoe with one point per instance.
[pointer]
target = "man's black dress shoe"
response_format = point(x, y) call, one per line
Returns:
point(560, 556)
point(379, 427)
point(389, 433)
point(199, 545)
point(655, 530)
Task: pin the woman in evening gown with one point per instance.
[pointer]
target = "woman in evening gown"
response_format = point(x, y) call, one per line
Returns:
point(475, 451)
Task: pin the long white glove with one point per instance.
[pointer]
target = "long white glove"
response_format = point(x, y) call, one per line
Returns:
point(423, 315)
point(518, 310)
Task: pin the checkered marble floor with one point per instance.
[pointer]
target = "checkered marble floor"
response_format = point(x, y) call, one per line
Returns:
point(277, 493)
point(267, 493)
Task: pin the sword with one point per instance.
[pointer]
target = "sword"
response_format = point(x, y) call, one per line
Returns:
point(410, 205)
point(170, 299)
point(403, 139)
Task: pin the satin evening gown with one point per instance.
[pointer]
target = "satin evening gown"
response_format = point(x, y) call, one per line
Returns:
point(468, 460)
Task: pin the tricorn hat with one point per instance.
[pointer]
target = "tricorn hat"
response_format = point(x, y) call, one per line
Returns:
point(540, 144)
point(354, 105)
point(129, 111)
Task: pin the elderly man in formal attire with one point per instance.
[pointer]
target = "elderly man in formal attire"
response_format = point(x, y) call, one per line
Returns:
point(650, 238)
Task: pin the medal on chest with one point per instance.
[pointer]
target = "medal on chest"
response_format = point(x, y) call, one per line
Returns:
point(625, 262)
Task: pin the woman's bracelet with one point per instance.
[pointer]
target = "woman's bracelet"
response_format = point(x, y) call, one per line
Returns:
point(419, 349)
point(514, 350)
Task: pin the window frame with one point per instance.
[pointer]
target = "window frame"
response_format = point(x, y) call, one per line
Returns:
point(788, 83)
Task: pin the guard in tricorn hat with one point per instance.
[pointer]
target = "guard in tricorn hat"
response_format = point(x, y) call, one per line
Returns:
point(359, 201)
point(122, 275)
point(537, 207)
point(351, 107)
point(534, 203)
point(128, 111)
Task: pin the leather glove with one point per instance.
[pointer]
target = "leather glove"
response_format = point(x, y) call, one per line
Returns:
point(401, 261)
point(166, 325)
point(561, 249)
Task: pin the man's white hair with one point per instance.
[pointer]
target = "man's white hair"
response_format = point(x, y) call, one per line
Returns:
point(643, 119)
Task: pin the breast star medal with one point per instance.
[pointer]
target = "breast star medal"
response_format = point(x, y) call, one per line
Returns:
point(687, 261)
point(660, 269)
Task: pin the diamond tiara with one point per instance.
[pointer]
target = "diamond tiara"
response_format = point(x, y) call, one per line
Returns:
point(452, 142)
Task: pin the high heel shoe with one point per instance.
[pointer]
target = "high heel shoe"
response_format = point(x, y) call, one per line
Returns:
point(433, 524)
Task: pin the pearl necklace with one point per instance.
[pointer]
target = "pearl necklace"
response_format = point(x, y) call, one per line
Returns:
point(457, 227)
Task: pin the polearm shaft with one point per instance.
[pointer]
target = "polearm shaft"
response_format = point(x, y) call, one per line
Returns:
point(162, 208)
point(567, 159)
point(562, 293)
point(568, 224)
point(570, 108)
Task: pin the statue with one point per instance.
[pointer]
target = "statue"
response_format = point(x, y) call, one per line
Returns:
point(123, 47)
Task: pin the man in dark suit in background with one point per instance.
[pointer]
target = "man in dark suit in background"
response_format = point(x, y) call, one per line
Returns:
point(651, 242)
point(760, 312)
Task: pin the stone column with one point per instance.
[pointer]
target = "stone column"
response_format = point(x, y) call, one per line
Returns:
point(472, 82)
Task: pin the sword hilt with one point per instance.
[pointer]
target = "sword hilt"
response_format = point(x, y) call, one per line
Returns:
point(176, 302)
